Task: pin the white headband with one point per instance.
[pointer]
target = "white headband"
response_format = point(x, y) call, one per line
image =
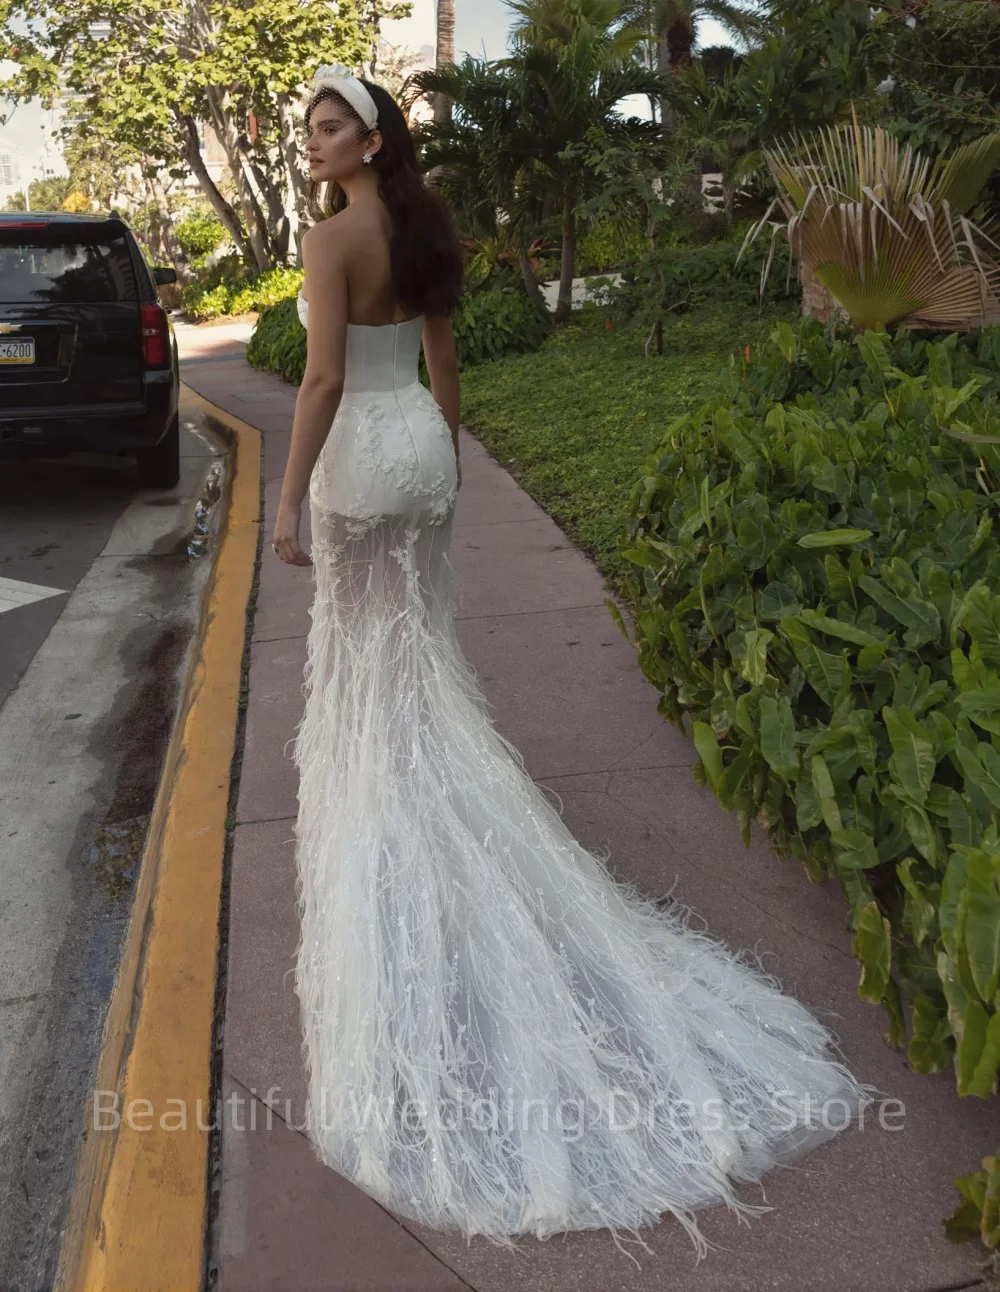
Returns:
point(342, 79)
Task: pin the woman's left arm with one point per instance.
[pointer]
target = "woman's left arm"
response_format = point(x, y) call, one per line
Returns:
point(325, 288)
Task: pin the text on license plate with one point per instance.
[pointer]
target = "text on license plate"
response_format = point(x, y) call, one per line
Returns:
point(20, 351)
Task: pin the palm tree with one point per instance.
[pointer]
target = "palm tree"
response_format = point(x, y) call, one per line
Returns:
point(714, 120)
point(444, 52)
point(571, 64)
point(671, 27)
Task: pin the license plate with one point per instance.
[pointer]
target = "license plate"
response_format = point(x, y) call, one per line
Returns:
point(20, 351)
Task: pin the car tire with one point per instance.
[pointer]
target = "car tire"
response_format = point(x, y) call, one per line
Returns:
point(160, 466)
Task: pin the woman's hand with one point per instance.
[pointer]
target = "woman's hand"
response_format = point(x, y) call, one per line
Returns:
point(286, 534)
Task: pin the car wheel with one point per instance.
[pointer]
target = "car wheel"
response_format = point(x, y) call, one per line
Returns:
point(160, 466)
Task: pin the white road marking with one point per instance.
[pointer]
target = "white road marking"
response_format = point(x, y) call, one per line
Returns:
point(15, 592)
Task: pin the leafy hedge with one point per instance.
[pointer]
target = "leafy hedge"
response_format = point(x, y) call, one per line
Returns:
point(498, 322)
point(605, 246)
point(816, 587)
point(200, 233)
point(673, 279)
point(238, 292)
point(488, 325)
point(278, 343)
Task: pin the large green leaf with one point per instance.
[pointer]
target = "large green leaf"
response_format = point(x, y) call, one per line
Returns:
point(983, 770)
point(916, 613)
point(912, 763)
point(952, 886)
point(981, 901)
point(855, 849)
point(921, 902)
point(873, 947)
point(777, 601)
point(754, 667)
point(928, 1050)
point(826, 672)
point(826, 794)
point(777, 736)
point(834, 537)
point(983, 707)
point(707, 744)
point(837, 628)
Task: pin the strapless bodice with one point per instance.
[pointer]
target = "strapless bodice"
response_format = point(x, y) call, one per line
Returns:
point(378, 357)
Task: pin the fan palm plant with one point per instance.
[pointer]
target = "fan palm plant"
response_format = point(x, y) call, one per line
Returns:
point(885, 228)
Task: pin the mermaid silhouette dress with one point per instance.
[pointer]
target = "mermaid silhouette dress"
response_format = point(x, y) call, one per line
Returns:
point(498, 1037)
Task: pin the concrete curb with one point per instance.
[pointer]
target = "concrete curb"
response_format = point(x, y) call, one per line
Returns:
point(138, 1210)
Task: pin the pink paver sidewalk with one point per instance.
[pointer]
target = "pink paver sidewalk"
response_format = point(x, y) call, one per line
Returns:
point(862, 1213)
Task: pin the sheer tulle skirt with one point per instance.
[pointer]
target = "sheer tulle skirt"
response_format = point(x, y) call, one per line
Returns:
point(499, 1038)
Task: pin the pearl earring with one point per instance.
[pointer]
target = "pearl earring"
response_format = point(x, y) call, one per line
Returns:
point(367, 159)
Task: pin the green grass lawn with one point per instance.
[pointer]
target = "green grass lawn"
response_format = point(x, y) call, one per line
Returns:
point(573, 422)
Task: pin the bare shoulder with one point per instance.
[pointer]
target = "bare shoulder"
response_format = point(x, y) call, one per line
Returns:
point(325, 241)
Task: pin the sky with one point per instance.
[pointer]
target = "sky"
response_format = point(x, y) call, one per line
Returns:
point(480, 29)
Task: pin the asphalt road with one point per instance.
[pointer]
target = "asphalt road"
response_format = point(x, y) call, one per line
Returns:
point(100, 590)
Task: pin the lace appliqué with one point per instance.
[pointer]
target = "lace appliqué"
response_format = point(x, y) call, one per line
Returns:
point(443, 503)
point(398, 464)
point(424, 399)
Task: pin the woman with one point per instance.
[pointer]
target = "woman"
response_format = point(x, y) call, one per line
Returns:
point(499, 1039)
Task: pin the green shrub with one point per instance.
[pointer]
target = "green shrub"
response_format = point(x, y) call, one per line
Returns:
point(497, 322)
point(200, 233)
point(489, 325)
point(278, 343)
point(236, 292)
point(673, 279)
point(606, 247)
point(816, 589)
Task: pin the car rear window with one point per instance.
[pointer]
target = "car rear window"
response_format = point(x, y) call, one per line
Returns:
point(64, 264)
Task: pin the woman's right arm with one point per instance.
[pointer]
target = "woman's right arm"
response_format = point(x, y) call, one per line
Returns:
point(442, 367)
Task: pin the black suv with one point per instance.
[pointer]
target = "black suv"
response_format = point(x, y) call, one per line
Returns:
point(88, 355)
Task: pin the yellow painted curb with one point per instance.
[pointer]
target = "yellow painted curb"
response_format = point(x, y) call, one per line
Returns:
point(137, 1217)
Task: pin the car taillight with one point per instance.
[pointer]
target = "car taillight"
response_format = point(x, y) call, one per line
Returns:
point(155, 337)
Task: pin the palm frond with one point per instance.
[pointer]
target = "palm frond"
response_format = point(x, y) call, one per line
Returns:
point(885, 229)
point(960, 177)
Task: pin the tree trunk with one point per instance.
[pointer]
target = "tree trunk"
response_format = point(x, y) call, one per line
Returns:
point(667, 123)
point(225, 127)
point(290, 153)
point(817, 299)
point(444, 53)
point(565, 303)
point(168, 234)
point(279, 227)
point(679, 37)
point(296, 199)
point(227, 216)
point(263, 195)
point(675, 44)
point(728, 200)
point(653, 235)
point(530, 281)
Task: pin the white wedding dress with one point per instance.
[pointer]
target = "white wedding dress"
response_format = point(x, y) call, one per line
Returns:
point(499, 1039)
